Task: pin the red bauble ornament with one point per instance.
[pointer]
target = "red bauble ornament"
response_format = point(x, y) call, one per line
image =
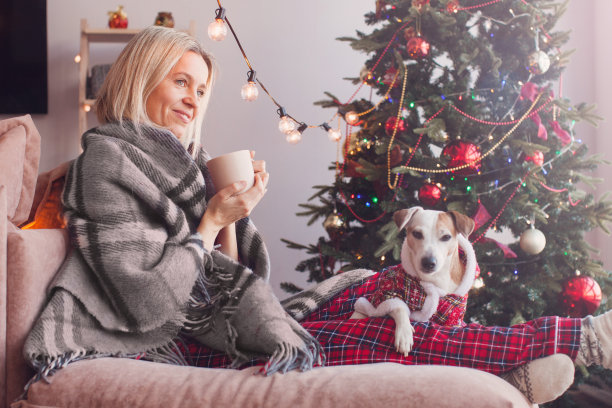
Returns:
point(581, 296)
point(462, 153)
point(429, 195)
point(417, 47)
point(452, 6)
point(537, 158)
point(117, 18)
point(390, 125)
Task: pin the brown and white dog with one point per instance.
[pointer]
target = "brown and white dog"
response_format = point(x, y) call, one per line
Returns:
point(430, 254)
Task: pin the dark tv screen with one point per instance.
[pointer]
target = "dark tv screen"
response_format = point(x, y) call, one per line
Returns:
point(23, 56)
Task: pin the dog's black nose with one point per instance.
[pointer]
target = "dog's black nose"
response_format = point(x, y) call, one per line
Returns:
point(428, 263)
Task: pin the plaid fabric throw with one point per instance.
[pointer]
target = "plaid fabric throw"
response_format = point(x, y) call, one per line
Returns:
point(363, 341)
point(394, 282)
point(138, 274)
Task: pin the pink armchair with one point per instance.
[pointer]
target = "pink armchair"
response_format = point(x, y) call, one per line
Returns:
point(29, 258)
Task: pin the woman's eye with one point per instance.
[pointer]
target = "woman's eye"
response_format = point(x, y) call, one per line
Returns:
point(417, 234)
point(445, 237)
point(181, 82)
point(200, 93)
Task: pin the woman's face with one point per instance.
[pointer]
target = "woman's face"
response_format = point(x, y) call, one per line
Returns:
point(177, 100)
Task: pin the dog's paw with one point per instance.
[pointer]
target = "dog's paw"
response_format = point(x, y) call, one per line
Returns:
point(357, 315)
point(404, 339)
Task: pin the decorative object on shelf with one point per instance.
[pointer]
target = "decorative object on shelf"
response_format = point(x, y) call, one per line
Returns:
point(532, 241)
point(581, 296)
point(462, 153)
point(117, 18)
point(164, 19)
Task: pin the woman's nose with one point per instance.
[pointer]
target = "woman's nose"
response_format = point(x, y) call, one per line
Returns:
point(191, 97)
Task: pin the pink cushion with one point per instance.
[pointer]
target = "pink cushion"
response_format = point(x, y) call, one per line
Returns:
point(33, 258)
point(19, 154)
point(109, 382)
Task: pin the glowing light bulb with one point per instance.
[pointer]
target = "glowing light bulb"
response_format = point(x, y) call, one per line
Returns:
point(286, 125)
point(249, 91)
point(77, 58)
point(217, 30)
point(351, 117)
point(294, 136)
point(86, 107)
point(333, 134)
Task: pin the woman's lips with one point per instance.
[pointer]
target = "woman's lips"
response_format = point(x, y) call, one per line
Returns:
point(183, 116)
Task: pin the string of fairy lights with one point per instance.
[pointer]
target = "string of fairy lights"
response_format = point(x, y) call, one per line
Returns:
point(293, 128)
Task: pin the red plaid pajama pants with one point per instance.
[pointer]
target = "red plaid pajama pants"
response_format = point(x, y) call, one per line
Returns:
point(371, 340)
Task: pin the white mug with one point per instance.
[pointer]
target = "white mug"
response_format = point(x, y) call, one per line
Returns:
point(230, 168)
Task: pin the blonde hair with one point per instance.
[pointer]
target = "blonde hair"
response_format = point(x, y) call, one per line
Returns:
point(142, 65)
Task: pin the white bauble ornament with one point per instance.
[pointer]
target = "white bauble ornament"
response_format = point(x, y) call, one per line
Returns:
point(532, 241)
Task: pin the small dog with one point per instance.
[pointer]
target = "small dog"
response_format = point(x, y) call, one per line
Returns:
point(430, 267)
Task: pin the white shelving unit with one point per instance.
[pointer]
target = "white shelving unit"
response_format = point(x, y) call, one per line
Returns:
point(101, 35)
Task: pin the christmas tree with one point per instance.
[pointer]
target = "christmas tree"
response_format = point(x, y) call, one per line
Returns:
point(465, 114)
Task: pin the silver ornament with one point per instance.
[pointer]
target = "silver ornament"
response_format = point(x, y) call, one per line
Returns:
point(532, 241)
point(538, 62)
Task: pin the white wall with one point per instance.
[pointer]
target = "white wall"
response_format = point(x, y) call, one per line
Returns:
point(587, 79)
point(292, 46)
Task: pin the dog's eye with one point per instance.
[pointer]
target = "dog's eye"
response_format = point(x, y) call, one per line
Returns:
point(417, 234)
point(445, 237)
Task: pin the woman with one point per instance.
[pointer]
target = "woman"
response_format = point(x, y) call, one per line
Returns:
point(159, 256)
point(144, 223)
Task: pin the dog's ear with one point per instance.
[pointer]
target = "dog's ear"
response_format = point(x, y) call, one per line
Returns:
point(463, 223)
point(402, 217)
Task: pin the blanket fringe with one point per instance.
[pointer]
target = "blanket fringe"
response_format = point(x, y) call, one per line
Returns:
point(202, 307)
point(47, 366)
point(167, 354)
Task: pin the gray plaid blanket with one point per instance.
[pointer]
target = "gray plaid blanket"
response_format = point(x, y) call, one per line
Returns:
point(138, 274)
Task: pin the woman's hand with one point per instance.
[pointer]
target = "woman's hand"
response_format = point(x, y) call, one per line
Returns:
point(259, 166)
point(226, 207)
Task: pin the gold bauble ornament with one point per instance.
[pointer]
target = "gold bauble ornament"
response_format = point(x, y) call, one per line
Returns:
point(333, 223)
